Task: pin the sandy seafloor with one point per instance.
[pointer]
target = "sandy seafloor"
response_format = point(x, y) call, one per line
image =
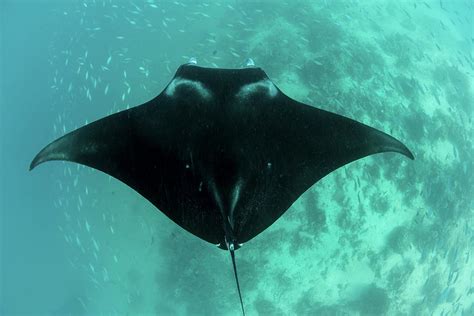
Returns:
point(381, 236)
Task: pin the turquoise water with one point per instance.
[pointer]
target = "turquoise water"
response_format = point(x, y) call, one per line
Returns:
point(380, 236)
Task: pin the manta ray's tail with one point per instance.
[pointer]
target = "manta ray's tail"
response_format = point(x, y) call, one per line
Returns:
point(237, 279)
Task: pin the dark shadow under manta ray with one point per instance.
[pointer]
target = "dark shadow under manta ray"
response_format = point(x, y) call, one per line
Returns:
point(222, 152)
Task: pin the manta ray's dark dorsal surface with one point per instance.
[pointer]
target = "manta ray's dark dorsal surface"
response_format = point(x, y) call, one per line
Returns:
point(222, 152)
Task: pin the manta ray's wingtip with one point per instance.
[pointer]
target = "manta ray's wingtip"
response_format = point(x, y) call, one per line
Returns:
point(389, 143)
point(402, 149)
point(32, 165)
point(39, 158)
point(409, 154)
point(54, 151)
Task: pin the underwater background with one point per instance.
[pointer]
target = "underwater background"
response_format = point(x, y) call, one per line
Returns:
point(381, 236)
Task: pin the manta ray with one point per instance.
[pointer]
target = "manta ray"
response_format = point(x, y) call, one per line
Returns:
point(222, 152)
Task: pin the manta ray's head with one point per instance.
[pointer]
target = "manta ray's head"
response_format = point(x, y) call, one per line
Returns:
point(209, 82)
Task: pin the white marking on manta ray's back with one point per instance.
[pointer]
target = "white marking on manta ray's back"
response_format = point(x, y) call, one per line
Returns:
point(235, 198)
point(252, 88)
point(235, 195)
point(195, 85)
point(217, 195)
